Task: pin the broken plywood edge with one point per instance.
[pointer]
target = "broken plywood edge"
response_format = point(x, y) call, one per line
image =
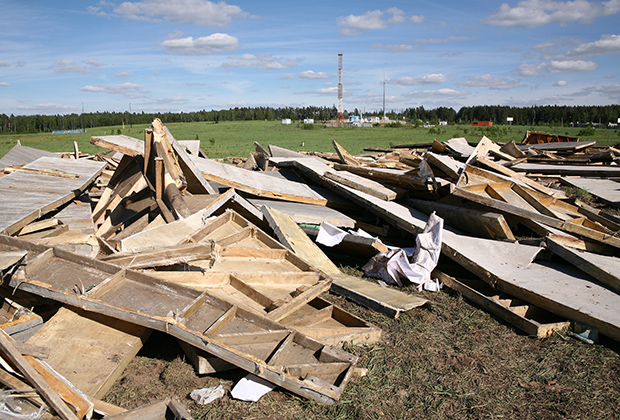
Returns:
point(392, 176)
point(603, 268)
point(483, 224)
point(254, 343)
point(345, 157)
point(129, 146)
point(530, 319)
point(196, 182)
point(28, 196)
point(607, 190)
point(322, 173)
point(257, 183)
point(446, 165)
point(306, 213)
point(90, 350)
point(21, 155)
point(167, 409)
point(381, 299)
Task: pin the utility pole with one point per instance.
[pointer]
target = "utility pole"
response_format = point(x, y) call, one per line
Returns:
point(340, 115)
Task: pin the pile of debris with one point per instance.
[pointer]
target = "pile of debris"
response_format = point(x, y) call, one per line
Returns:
point(98, 251)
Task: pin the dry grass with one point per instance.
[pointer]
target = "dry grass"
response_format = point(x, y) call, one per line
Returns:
point(449, 360)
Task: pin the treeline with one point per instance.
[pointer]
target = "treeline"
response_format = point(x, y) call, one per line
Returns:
point(537, 115)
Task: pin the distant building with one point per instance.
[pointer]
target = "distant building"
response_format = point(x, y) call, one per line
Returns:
point(286, 121)
point(354, 118)
point(443, 122)
point(308, 120)
point(482, 123)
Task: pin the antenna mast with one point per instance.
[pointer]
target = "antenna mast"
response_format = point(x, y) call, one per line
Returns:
point(340, 115)
point(384, 95)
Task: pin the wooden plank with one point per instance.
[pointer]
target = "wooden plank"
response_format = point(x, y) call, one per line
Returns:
point(603, 268)
point(27, 196)
point(446, 164)
point(606, 190)
point(307, 213)
point(123, 144)
point(257, 183)
point(483, 224)
point(482, 294)
point(160, 410)
point(90, 350)
point(35, 378)
point(320, 172)
point(393, 176)
point(22, 155)
point(592, 171)
point(388, 301)
point(345, 157)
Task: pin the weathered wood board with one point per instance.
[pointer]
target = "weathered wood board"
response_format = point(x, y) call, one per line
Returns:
point(22, 155)
point(532, 320)
point(605, 189)
point(257, 183)
point(256, 344)
point(594, 171)
point(25, 196)
point(90, 350)
point(307, 213)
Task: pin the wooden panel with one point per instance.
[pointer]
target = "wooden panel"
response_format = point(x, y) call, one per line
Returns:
point(90, 350)
point(26, 196)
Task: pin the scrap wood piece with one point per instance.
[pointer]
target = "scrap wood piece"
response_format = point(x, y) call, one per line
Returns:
point(459, 146)
point(123, 144)
point(388, 301)
point(531, 319)
point(27, 196)
point(606, 190)
point(483, 224)
point(345, 157)
point(90, 350)
point(588, 171)
point(393, 176)
point(445, 164)
point(44, 171)
point(537, 137)
point(485, 147)
point(511, 149)
point(306, 213)
point(168, 409)
point(605, 269)
point(21, 155)
point(34, 377)
point(247, 340)
point(257, 183)
point(321, 173)
point(518, 176)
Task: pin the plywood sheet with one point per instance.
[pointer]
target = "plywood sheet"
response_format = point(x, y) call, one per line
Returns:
point(24, 196)
point(90, 350)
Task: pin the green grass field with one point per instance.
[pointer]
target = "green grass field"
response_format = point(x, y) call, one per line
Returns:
point(237, 138)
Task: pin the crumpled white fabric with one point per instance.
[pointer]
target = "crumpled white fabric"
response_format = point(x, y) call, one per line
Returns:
point(206, 395)
point(396, 265)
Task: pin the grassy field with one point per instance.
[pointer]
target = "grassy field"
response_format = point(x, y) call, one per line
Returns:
point(237, 138)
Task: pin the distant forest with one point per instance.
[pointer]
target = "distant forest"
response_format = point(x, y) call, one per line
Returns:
point(553, 115)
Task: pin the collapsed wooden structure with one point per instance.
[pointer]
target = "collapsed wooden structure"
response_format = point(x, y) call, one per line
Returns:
point(155, 236)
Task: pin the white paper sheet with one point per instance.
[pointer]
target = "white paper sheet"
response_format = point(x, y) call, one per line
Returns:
point(251, 388)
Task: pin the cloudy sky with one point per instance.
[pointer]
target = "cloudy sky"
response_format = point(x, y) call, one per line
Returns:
point(187, 55)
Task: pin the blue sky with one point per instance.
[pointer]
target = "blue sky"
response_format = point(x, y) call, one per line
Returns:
point(188, 55)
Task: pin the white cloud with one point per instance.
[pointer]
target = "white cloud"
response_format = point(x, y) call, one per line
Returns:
point(204, 45)
point(444, 40)
point(49, 108)
point(260, 61)
point(555, 66)
point(561, 66)
point(197, 12)
point(394, 48)
point(495, 83)
point(560, 83)
point(530, 13)
point(417, 19)
point(440, 93)
point(69, 66)
point(309, 74)
point(287, 76)
point(4, 84)
point(324, 91)
point(5, 64)
point(429, 79)
point(353, 25)
point(608, 44)
point(123, 75)
point(130, 90)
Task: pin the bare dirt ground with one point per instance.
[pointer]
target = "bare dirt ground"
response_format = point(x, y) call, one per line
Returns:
point(448, 360)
